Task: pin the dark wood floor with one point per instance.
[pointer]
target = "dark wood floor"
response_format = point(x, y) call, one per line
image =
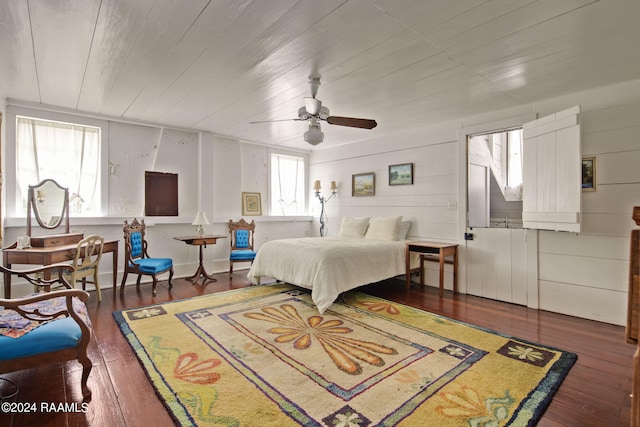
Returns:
point(595, 393)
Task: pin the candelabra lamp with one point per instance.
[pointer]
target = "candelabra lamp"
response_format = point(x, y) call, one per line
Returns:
point(323, 200)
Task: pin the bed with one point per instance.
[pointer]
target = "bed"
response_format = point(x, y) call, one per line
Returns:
point(329, 266)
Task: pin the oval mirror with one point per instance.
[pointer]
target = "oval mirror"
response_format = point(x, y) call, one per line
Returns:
point(50, 204)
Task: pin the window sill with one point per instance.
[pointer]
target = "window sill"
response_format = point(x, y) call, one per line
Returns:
point(16, 222)
point(103, 220)
point(268, 218)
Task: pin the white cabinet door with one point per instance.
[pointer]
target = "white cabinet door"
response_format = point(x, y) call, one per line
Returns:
point(552, 174)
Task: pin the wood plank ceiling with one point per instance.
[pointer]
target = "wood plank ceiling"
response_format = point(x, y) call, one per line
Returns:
point(219, 64)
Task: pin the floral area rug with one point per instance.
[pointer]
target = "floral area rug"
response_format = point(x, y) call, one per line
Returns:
point(263, 356)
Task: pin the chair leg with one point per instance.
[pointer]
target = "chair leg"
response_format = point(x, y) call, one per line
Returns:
point(230, 268)
point(170, 277)
point(124, 280)
point(155, 283)
point(138, 281)
point(97, 285)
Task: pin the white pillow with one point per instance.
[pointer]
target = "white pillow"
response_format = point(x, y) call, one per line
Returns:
point(383, 228)
point(405, 225)
point(354, 227)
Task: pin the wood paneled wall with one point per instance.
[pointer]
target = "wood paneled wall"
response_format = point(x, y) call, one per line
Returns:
point(584, 274)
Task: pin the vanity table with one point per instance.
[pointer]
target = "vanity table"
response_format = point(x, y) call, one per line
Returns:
point(49, 255)
point(49, 203)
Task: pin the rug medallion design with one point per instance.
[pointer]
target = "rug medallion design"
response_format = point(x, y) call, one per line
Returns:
point(264, 356)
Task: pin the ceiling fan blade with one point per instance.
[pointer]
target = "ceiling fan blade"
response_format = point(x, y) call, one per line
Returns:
point(273, 121)
point(352, 122)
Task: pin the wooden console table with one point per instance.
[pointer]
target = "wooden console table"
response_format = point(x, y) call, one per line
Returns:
point(200, 241)
point(432, 251)
point(49, 255)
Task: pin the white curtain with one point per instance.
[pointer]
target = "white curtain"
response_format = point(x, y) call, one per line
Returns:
point(65, 152)
point(287, 185)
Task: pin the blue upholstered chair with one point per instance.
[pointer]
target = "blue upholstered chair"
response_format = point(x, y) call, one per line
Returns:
point(137, 259)
point(241, 241)
point(45, 328)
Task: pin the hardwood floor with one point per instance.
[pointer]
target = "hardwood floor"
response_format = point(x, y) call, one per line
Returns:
point(595, 393)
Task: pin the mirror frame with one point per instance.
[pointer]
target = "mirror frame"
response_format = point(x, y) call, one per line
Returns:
point(33, 205)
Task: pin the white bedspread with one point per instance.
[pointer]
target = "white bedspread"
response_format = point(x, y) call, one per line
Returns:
point(329, 265)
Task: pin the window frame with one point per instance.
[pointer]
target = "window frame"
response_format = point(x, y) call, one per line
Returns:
point(305, 156)
point(508, 161)
point(11, 208)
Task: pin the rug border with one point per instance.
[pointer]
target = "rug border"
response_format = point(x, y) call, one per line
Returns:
point(554, 377)
point(138, 348)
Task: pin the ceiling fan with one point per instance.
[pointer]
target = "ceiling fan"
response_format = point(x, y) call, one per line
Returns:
point(314, 113)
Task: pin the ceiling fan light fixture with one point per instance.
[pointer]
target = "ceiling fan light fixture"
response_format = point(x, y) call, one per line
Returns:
point(314, 135)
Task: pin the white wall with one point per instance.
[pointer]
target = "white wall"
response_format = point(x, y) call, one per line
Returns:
point(212, 173)
point(584, 275)
point(430, 202)
point(243, 167)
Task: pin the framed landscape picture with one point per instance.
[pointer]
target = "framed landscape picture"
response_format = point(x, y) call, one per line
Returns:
point(589, 182)
point(363, 184)
point(401, 174)
point(251, 204)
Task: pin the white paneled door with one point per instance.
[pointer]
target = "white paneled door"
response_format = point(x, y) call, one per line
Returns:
point(498, 264)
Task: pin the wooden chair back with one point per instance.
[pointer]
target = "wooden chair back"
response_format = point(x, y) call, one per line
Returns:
point(241, 233)
point(135, 245)
point(86, 262)
point(88, 253)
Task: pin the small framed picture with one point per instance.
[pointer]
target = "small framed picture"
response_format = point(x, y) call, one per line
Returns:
point(363, 184)
point(589, 181)
point(401, 174)
point(251, 204)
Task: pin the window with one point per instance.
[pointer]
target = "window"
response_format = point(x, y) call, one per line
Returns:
point(287, 193)
point(514, 158)
point(66, 152)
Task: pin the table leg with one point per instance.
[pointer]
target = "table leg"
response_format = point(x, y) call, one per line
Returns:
point(115, 268)
point(201, 271)
point(441, 291)
point(407, 252)
point(455, 270)
point(7, 276)
point(7, 284)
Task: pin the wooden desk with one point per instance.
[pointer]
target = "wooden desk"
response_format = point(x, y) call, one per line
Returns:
point(200, 241)
point(432, 251)
point(49, 255)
